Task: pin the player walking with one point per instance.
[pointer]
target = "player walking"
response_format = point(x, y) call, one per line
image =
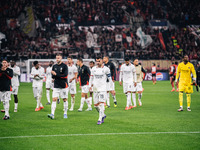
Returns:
point(140, 73)
point(185, 81)
point(128, 75)
point(15, 83)
point(111, 83)
point(72, 76)
point(171, 74)
point(59, 74)
point(49, 82)
point(99, 76)
point(153, 72)
point(6, 75)
point(84, 76)
point(37, 74)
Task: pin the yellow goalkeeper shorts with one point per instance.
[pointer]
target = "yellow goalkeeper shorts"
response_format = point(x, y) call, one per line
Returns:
point(185, 87)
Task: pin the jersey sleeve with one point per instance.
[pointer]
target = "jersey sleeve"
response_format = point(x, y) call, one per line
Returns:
point(91, 78)
point(121, 74)
point(88, 71)
point(17, 71)
point(193, 72)
point(53, 69)
point(9, 73)
point(42, 74)
point(32, 73)
point(134, 74)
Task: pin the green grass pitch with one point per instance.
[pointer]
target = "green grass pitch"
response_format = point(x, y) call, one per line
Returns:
point(79, 131)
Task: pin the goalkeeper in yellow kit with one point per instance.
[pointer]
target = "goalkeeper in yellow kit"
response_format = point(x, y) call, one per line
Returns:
point(184, 70)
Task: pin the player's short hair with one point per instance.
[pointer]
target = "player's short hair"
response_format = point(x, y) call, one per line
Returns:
point(154, 64)
point(52, 61)
point(35, 63)
point(58, 54)
point(98, 57)
point(135, 59)
point(5, 60)
point(126, 59)
point(91, 62)
point(176, 63)
point(80, 59)
point(70, 57)
point(172, 63)
point(107, 57)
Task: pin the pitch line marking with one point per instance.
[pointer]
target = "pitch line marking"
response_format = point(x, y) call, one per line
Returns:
point(99, 134)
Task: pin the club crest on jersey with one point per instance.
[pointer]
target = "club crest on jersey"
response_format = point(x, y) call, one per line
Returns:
point(61, 69)
point(188, 67)
point(82, 70)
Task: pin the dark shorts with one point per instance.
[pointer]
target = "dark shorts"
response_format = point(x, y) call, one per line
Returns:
point(153, 75)
point(174, 77)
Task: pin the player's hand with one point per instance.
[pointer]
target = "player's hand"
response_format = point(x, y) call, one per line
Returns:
point(53, 73)
point(135, 84)
point(113, 80)
point(70, 80)
point(194, 82)
point(176, 83)
point(90, 89)
point(120, 83)
point(36, 75)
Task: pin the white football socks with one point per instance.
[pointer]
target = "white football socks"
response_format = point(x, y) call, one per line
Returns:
point(72, 102)
point(6, 108)
point(53, 107)
point(65, 104)
point(139, 96)
point(82, 102)
point(16, 106)
point(114, 98)
point(48, 95)
point(88, 102)
point(134, 99)
point(128, 99)
point(101, 111)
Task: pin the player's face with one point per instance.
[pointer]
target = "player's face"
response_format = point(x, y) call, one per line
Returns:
point(12, 64)
point(51, 64)
point(37, 66)
point(136, 62)
point(105, 59)
point(58, 59)
point(127, 62)
point(186, 59)
point(69, 60)
point(5, 64)
point(99, 62)
point(91, 65)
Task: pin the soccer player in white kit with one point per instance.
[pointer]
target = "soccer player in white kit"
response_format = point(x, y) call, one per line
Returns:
point(140, 72)
point(37, 74)
point(99, 76)
point(128, 75)
point(72, 76)
point(49, 82)
point(15, 82)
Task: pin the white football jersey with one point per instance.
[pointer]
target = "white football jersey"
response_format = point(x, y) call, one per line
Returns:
point(100, 76)
point(48, 74)
point(71, 73)
point(16, 74)
point(38, 81)
point(128, 73)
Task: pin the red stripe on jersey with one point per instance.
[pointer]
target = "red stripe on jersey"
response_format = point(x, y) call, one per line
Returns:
point(0, 74)
point(87, 83)
point(9, 77)
point(64, 77)
point(10, 88)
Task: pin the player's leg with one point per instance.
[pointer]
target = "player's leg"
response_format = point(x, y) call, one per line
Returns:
point(108, 98)
point(86, 90)
point(181, 90)
point(64, 96)
point(40, 97)
point(189, 90)
point(6, 97)
point(102, 99)
point(140, 90)
point(113, 93)
point(35, 93)
point(15, 92)
point(72, 91)
point(82, 101)
point(55, 95)
point(48, 86)
point(91, 92)
point(134, 98)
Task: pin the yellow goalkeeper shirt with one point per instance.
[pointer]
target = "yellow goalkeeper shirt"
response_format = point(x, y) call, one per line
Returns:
point(185, 70)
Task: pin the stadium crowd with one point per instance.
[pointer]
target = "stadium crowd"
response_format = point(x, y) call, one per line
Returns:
point(98, 12)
